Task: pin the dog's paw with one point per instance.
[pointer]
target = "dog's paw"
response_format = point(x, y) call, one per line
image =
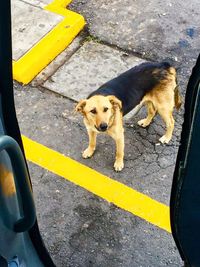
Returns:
point(118, 165)
point(87, 153)
point(143, 122)
point(164, 139)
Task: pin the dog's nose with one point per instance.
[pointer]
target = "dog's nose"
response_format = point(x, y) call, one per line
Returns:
point(103, 127)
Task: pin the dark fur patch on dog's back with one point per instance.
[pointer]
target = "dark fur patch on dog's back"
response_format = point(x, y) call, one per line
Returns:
point(132, 85)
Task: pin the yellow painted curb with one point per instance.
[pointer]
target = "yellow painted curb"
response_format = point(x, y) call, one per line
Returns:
point(99, 184)
point(41, 54)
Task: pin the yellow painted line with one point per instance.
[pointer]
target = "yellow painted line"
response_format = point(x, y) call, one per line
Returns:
point(99, 184)
point(51, 45)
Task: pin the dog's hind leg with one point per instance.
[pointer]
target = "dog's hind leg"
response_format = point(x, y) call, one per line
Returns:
point(169, 121)
point(88, 152)
point(151, 111)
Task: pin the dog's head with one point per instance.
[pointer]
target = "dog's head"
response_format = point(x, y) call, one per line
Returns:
point(99, 111)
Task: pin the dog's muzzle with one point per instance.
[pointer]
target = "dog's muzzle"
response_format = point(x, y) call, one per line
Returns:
point(102, 127)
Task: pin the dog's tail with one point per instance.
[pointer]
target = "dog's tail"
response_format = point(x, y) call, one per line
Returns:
point(177, 97)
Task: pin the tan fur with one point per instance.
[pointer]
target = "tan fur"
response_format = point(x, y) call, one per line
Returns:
point(177, 98)
point(161, 99)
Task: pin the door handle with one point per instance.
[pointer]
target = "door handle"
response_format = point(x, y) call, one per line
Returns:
point(22, 183)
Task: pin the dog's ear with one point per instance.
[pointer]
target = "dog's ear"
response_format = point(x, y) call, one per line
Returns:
point(80, 106)
point(115, 101)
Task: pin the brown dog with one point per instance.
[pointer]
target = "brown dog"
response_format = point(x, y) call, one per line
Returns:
point(150, 84)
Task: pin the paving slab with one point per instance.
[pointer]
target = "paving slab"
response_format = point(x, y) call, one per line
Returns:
point(47, 72)
point(39, 3)
point(29, 25)
point(91, 66)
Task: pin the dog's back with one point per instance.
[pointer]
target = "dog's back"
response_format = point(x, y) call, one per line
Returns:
point(131, 86)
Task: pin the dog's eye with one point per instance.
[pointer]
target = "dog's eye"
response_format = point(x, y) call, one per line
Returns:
point(105, 109)
point(93, 111)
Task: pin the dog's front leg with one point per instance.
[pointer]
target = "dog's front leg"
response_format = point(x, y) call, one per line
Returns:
point(88, 152)
point(119, 160)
